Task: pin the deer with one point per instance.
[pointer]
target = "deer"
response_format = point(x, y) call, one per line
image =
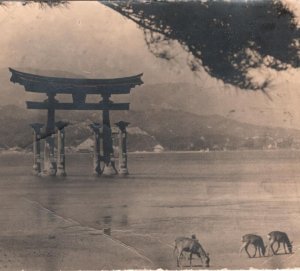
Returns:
point(279, 237)
point(192, 246)
point(256, 241)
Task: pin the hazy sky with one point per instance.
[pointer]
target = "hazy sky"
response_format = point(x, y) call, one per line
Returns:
point(91, 40)
point(86, 38)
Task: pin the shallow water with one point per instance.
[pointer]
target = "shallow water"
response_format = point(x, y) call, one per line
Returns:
point(218, 196)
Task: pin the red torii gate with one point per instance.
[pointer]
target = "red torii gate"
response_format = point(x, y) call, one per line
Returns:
point(79, 89)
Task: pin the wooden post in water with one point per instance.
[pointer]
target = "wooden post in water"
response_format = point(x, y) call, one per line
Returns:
point(36, 148)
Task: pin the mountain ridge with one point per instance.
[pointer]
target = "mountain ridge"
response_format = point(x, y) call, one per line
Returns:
point(173, 130)
point(183, 96)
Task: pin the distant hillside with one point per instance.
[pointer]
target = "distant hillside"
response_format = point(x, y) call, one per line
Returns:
point(174, 130)
point(176, 96)
point(177, 130)
point(183, 96)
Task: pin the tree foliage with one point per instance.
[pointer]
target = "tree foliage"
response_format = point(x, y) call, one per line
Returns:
point(227, 39)
point(43, 3)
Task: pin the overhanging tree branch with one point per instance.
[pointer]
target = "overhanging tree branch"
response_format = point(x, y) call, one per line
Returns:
point(227, 38)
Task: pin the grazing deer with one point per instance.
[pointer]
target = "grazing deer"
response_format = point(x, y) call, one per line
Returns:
point(256, 241)
point(191, 245)
point(279, 237)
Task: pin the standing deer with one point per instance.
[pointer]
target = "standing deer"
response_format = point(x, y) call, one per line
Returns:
point(256, 241)
point(191, 245)
point(279, 237)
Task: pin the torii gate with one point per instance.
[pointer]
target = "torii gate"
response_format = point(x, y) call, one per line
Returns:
point(79, 89)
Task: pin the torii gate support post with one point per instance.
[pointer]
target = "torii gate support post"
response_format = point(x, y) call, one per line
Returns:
point(61, 158)
point(37, 147)
point(123, 170)
point(96, 157)
point(49, 156)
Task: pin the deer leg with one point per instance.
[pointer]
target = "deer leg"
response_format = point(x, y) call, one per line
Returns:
point(175, 249)
point(284, 246)
point(242, 247)
point(272, 249)
point(186, 256)
point(255, 252)
point(178, 258)
point(277, 247)
point(263, 250)
point(271, 246)
point(246, 249)
point(267, 247)
point(200, 256)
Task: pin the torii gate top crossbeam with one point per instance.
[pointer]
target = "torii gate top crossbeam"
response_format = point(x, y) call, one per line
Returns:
point(49, 85)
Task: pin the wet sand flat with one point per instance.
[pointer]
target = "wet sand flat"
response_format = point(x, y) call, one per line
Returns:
point(56, 223)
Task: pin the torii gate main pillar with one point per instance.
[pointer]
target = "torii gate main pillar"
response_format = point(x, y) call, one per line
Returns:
point(61, 158)
point(108, 152)
point(50, 166)
point(96, 156)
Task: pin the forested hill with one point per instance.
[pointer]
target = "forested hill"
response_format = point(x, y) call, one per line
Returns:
point(174, 130)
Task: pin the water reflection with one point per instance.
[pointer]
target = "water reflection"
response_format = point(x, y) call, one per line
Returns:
point(107, 231)
point(53, 196)
point(124, 220)
point(107, 220)
point(116, 220)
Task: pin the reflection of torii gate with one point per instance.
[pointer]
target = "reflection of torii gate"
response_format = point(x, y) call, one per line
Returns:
point(78, 88)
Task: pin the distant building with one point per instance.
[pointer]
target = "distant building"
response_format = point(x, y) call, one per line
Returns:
point(158, 148)
point(86, 146)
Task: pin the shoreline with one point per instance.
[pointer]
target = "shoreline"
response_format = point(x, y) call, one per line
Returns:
point(165, 152)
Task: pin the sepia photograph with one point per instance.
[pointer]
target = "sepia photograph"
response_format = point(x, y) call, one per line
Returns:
point(149, 134)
